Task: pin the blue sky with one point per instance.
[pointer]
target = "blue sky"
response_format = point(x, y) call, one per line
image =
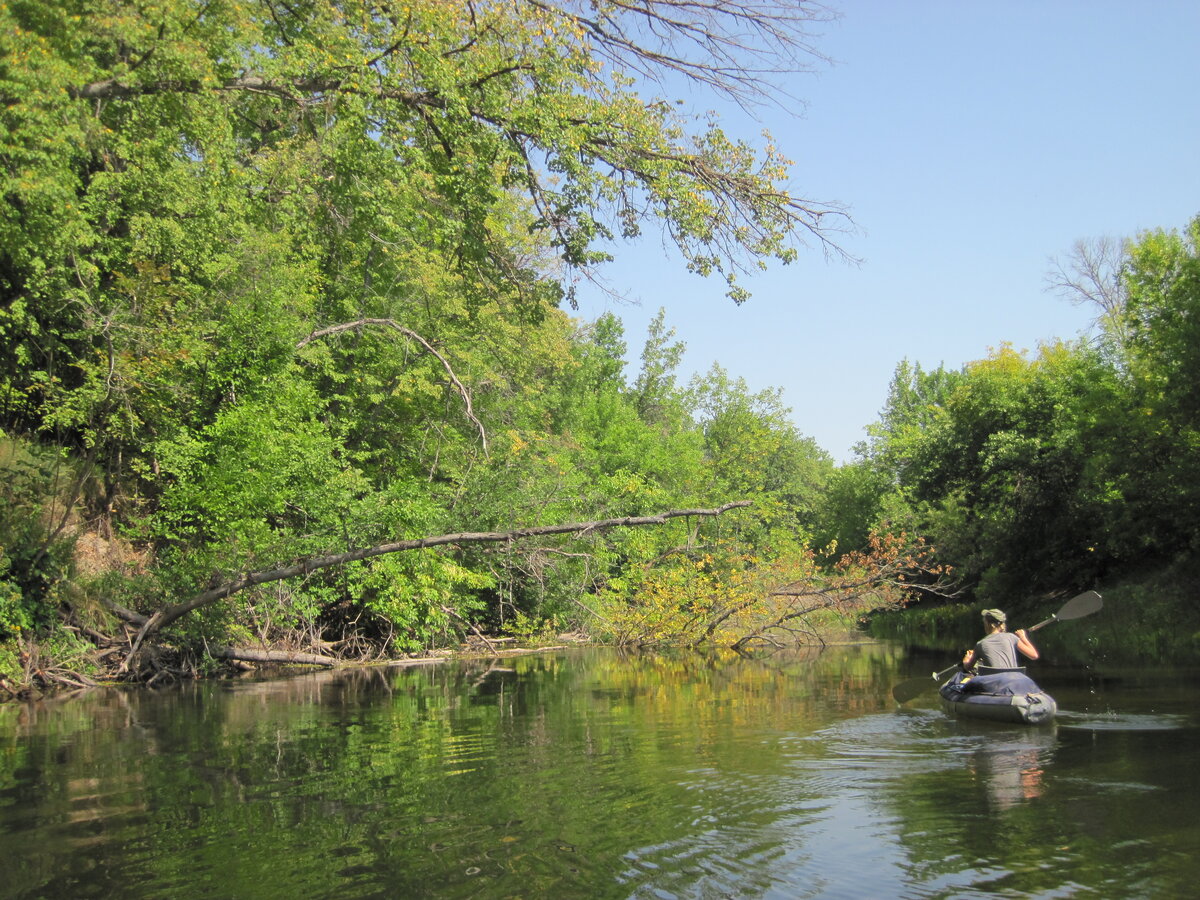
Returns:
point(972, 142)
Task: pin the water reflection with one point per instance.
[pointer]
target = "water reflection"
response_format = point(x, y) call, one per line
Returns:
point(1011, 765)
point(590, 774)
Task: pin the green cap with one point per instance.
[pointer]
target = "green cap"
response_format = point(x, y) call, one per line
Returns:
point(996, 615)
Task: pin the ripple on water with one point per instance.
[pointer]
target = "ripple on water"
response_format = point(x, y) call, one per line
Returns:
point(1114, 721)
point(892, 741)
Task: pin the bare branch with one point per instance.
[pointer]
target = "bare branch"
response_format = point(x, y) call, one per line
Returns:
point(166, 616)
point(739, 48)
point(1091, 274)
point(475, 628)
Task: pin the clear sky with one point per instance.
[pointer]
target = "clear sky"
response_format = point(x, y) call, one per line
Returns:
point(972, 142)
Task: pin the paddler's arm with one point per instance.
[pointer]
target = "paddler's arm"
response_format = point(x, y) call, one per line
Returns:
point(1025, 645)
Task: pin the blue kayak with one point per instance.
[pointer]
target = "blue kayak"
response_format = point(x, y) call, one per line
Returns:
point(1000, 695)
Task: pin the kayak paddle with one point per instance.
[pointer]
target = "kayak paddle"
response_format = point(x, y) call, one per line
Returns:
point(1076, 608)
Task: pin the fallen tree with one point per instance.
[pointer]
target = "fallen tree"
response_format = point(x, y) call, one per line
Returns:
point(254, 655)
point(164, 617)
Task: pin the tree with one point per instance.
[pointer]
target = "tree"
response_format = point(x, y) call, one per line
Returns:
point(293, 277)
point(352, 161)
point(852, 507)
point(658, 398)
point(1004, 478)
point(915, 404)
point(1162, 284)
point(754, 449)
point(1092, 274)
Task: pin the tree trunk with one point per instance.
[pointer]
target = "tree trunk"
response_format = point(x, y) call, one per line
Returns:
point(271, 656)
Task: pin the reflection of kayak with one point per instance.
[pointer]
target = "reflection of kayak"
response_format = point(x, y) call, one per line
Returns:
point(1001, 695)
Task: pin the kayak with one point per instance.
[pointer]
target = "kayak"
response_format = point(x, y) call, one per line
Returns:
point(1000, 695)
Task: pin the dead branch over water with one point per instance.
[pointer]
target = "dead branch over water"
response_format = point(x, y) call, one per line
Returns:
point(164, 617)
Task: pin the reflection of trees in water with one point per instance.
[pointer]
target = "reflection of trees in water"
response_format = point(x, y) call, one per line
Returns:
point(443, 756)
point(541, 774)
point(1050, 812)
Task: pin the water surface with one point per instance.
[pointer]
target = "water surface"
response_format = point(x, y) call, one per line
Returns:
point(590, 774)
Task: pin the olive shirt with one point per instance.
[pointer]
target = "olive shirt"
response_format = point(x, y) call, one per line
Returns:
point(998, 650)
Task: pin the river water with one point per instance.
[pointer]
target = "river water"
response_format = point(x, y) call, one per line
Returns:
point(589, 774)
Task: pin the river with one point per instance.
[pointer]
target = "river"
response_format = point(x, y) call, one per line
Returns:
point(585, 773)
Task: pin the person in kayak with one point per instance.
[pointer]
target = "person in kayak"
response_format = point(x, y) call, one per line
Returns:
point(998, 648)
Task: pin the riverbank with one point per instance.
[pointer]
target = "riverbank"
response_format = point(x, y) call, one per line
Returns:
point(42, 675)
point(1145, 617)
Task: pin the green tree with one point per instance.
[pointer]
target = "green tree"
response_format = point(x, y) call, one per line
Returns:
point(1001, 475)
point(855, 503)
point(292, 276)
point(755, 450)
point(150, 155)
point(1162, 280)
point(1158, 466)
point(916, 402)
point(659, 398)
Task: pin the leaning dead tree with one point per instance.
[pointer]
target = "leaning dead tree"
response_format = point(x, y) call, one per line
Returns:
point(174, 612)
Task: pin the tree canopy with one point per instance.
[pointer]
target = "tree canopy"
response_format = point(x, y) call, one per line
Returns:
point(285, 281)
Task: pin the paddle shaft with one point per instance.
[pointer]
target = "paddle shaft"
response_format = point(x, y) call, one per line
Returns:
point(1041, 624)
point(1076, 608)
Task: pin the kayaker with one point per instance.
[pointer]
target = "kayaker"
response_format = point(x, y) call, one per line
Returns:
point(998, 648)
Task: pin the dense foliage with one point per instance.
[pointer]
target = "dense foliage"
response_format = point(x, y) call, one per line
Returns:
point(281, 280)
point(1064, 469)
point(284, 280)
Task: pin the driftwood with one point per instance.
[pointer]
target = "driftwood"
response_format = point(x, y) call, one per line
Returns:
point(244, 654)
point(169, 614)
